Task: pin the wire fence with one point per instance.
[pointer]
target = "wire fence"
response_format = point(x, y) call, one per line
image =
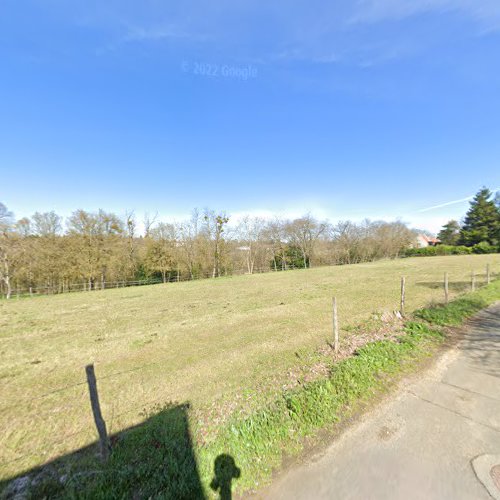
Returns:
point(71, 404)
point(74, 402)
point(172, 277)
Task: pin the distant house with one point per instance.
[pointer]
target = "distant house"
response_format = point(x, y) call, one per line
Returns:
point(427, 241)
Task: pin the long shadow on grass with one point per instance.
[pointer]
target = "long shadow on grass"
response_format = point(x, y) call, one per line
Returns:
point(155, 459)
point(453, 286)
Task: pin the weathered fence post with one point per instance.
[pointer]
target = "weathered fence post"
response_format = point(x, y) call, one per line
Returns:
point(335, 326)
point(488, 277)
point(403, 295)
point(472, 281)
point(96, 410)
point(446, 290)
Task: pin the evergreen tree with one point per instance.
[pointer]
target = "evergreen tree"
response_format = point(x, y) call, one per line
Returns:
point(450, 234)
point(482, 221)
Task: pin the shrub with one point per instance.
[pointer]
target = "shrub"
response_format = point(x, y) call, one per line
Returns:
point(480, 248)
point(484, 247)
point(438, 250)
point(461, 250)
point(421, 252)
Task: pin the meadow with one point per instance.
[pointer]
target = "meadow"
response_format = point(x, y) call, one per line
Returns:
point(221, 345)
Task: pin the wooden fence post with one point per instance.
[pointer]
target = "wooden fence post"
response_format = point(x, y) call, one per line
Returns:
point(488, 278)
point(472, 281)
point(96, 410)
point(446, 290)
point(403, 295)
point(335, 326)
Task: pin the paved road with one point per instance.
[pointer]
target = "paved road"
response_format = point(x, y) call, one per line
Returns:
point(421, 444)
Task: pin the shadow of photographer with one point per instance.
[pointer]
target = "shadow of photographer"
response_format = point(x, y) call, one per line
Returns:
point(225, 470)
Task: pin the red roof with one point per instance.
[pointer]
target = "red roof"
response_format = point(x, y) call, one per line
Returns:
point(430, 239)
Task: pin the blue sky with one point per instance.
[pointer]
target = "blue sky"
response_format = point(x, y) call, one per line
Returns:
point(374, 108)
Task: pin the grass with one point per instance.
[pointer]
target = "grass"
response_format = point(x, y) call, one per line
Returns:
point(454, 313)
point(222, 345)
point(159, 459)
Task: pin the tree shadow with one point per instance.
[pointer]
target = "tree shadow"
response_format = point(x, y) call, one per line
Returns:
point(482, 343)
point(453, 286)
point(155, 459)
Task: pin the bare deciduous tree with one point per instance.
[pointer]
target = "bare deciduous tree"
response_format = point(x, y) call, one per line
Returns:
point(214, 225)
point(6, 220)
point(274, 236)
point(304, 233)
point(149, 222)
point(93, 248)
point(46, 224)
point(249, 234)
point(189, 242)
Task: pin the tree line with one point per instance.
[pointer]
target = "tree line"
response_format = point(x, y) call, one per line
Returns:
point(91, 250)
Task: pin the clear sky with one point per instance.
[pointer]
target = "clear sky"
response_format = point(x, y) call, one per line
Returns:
point(346, 109)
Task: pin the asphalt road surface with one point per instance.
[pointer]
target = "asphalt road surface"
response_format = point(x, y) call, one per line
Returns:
point(439, 438)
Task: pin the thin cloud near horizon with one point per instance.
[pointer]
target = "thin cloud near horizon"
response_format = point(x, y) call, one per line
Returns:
point(454, 202)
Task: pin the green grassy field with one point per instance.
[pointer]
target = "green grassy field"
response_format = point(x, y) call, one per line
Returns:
point(217, 344)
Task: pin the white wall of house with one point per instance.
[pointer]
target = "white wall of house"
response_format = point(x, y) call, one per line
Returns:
point(422, 241)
